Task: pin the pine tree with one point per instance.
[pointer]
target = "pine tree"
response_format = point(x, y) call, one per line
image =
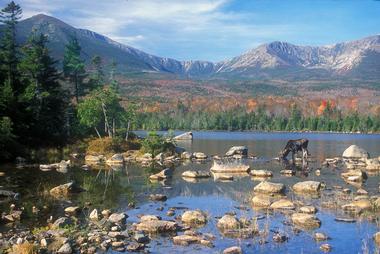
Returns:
point(74, 67)
point(43, 97)
point(97, 78)
point(9, 16)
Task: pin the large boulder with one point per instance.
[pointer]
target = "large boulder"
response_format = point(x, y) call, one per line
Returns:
point(229, 168)
point(355, 152)
point(237, 150)
point(194, 217)
point(184, 136)
point(269, 188)
point(307, 187)
point(304, 220)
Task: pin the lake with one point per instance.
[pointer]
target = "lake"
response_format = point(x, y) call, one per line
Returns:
point(115, 189)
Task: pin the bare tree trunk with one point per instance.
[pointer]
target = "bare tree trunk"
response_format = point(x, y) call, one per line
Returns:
point(97, 132)
point(106, 120)
point(113, 127)
point(127, 134)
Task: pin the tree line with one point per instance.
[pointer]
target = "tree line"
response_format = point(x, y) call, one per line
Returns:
point(35, 109)
point(259, 120)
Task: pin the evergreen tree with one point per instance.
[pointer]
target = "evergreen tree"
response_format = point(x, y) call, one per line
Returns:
point(43, 97)
point(74, 67)
point(97, 78)
point(9, 17)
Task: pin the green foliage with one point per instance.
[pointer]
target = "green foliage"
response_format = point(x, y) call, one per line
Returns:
point(260, 120)
point(156, 144)
point(6, 137)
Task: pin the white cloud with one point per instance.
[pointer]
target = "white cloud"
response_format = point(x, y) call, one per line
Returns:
point(171, 28)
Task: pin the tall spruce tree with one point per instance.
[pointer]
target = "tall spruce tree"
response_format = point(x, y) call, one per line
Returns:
point(74, 67)
point(43, 97)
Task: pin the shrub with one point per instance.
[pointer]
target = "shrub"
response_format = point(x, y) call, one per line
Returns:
point(156, 144)
point(108, 146)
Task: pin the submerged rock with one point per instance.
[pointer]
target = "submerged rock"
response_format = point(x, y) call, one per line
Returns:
point(307, 187)
point(164, 174)
point(325, 247)
point(196, 174)
point(158, 197)
point(261, 173)
point(186, 239)
point(320, 236)
point(194, 217)
point(229, 168)
point(283, 204)
point(259, 201)
point(304, 220)
point(269, 188)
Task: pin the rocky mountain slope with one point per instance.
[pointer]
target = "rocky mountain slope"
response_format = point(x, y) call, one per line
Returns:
point(355, 59)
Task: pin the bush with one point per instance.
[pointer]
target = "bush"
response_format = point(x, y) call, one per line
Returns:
point(156, 144)
point(109, 146)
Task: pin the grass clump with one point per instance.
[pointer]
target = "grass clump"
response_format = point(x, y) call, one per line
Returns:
point(108, 146)
point(24, 248)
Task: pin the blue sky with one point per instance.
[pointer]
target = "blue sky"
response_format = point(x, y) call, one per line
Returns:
point(215, 29)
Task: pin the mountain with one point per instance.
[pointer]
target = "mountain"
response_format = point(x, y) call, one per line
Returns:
point(355, 59)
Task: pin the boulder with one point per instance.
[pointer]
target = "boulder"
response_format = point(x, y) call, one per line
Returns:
point(194, 217)
point(186, 156)
point(376, 238)
point(355, 152)
point(320, 236)
point(157, 226)
point(164, 174)
point(62, 222)
point(72, 210)
point(233, 250)
point(354, 175)
point(283, 204)
point(184, 136)
point(358, 205)
point(305, 220)
point(116, 159)
point(118, 218)
point(158, 197)
point(195, 174)
point(199, 156)
point(237, 150)
point(269, 188)
point(94, 215)
point(228, 222)
point(148, 217)
point(186, 239)
point(94, 159)
point(229, 168)
point(307, 187)
point(65, 249)
point(308, 209)
point(64, 190)
point(372, 164)
point(261, 173)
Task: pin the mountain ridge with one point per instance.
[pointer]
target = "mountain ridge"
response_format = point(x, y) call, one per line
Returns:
point(270, 60)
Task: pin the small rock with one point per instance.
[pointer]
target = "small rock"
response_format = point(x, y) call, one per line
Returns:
point(308, 209)
point(282, 204)
point(306, 220)
point(261, 173)
point(118, 218)
point(325, 247)
point(376, 238)
point(195, 174)
point(320, 237)
point(65, 249)
point(185, 239)
point(228, 222)
point(106, 213)
point(158, 197)
point(194, 217)
point(140, 237)
point(269, 188)
point(62, 222)
point(307, 187)
point(72, 210)
point(279, 238)
point(94, 215)
point(233, 250)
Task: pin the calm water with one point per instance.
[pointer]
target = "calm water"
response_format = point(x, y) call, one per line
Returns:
point(116, 188)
